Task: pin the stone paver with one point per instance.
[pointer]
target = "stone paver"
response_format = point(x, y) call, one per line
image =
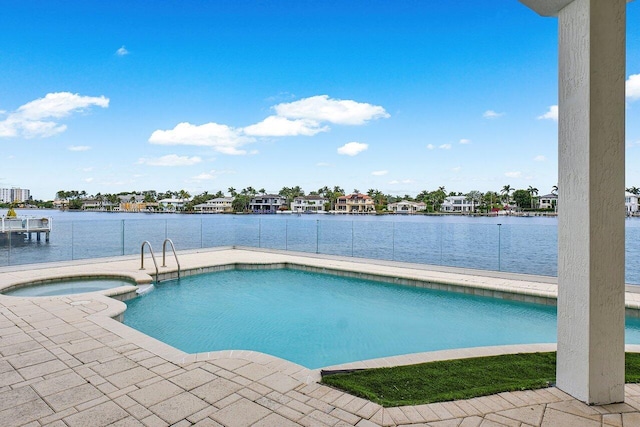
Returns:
point(64, 362)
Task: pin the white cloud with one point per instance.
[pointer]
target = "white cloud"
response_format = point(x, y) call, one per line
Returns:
point(88, 179)
point(78, 148)
point(321, 108)
point(515, 174)
point(490, 114)
point(89, 169)
point(170, 160)
point(33, 119)
point(540, 158)
point(122, 51)
point(552, 114)
point(631, 144)
point(207, 176)
point(353, 148)
point(430, 147)
point(465, 141)
point(281, 126)
point(445, 147)
point(456, 169)
point(404, 181)
point(379, 173)
point(221, 138)
point(633, 87)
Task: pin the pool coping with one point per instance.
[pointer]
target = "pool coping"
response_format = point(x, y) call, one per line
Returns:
point(200, 261)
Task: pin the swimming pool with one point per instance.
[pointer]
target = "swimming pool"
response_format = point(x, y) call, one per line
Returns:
point(66, 287)
point(319, 320)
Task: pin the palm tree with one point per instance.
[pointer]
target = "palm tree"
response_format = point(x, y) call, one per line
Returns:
point(532, 191)
point(475, 197)
point(232, 191)
point(634, 190)
point(554, 189)
point(506, 190)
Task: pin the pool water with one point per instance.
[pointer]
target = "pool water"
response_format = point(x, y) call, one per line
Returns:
point(66, 287)
point(318, 320)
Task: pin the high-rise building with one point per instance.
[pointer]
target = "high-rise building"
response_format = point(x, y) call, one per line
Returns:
point(5, 195)
point(11, 195)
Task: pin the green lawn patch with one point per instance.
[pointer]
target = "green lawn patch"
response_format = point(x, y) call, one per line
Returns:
point(457, 379)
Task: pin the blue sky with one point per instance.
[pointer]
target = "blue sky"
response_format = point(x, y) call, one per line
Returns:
point(400, 96)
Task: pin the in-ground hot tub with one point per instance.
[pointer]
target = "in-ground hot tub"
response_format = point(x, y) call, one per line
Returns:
point(66, 287)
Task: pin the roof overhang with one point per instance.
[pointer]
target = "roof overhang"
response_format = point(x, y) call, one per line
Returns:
point(548, 7)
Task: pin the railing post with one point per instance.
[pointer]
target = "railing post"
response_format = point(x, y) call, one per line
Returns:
point(499, 247)
point(393, 240)
point(351, 239)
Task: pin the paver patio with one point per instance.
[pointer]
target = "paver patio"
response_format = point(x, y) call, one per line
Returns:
point(65, 362)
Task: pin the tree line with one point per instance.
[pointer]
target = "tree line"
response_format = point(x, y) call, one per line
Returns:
point(483, 201)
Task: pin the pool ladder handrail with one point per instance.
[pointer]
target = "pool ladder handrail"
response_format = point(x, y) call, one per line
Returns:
point(153, 257)
point(164, 250)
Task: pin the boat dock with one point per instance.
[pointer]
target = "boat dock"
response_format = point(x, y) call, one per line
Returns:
point(21, 228)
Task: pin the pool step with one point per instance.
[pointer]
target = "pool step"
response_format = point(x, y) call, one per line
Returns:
point(145, 289)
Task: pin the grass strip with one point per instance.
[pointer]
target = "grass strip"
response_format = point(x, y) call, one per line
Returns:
point(458, 379)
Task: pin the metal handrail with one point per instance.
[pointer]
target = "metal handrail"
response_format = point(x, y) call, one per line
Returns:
point(153, 257)
point(173, 248)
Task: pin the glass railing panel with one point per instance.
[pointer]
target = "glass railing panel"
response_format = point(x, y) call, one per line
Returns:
point(632, 252)
point(529, 249)
point(59, 248)
point(272, 232)
point(185, 233)
point(217, 230)
point(335, 237)
point(303, 234)
point(417, 241)
point(137, 231)
point(470, 245)
point(4, 251)
point(373, 239)
point(246, 230)
point(95, 239)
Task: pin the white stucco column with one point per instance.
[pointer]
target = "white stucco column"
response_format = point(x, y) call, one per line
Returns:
point(591, 204)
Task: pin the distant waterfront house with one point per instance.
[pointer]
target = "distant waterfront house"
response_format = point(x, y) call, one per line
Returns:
point(355, 203)
point(548, 201)
point(309, 204)
point(457, 204)
point(92, 205)
point(131, 203)
point(217, 205)
point(267, 203)
point(631, 203)
point(60, 203)
point(407, 207)
point(172, 205)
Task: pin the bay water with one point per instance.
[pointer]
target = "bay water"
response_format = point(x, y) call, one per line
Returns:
point(507, 243)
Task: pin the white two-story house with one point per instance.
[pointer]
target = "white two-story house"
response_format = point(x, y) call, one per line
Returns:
point(457, 204)
point(309, 204)
point(217, 205)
